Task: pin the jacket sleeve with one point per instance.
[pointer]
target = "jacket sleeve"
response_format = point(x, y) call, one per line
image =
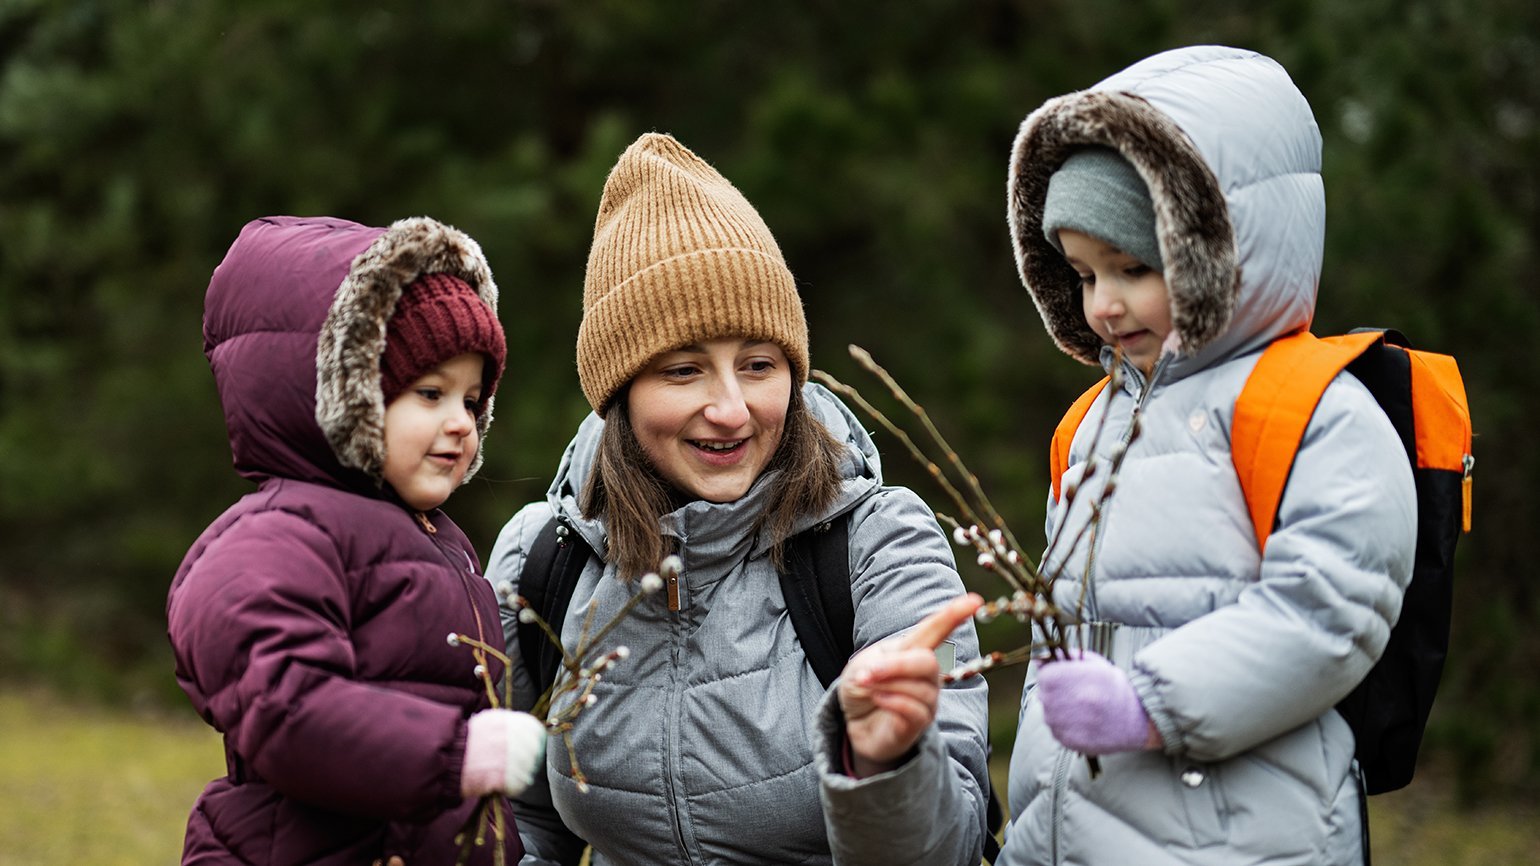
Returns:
point(547, 841)
point(930, 810)
point(1318, 617)
point(260, 627)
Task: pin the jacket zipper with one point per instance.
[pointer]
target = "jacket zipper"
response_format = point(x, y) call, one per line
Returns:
point(1062, 762)
point(470, 594)
point(1060, 788)
point(1096, 533)
point(671, 744)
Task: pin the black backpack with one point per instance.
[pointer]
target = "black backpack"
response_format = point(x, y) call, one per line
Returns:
point(1423, 395)
point(815, 584)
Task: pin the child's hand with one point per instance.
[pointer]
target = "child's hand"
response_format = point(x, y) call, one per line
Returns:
point(503, 748)
point(889, 690)
point(1091, 707)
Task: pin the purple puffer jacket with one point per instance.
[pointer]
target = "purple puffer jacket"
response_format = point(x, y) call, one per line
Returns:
point(309, 620)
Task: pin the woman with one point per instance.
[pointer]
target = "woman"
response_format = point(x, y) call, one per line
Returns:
point(707, 442)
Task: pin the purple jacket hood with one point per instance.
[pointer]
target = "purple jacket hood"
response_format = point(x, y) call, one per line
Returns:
point(294, 326)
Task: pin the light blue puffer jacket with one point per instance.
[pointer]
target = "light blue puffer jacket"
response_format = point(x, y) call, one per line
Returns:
point(700, 748)
point(1237, 657)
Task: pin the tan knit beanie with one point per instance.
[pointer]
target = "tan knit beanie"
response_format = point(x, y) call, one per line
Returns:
point(679, 257)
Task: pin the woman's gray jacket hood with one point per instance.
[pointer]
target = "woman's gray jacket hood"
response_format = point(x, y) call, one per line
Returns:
point(700, 748)
point(1237, 657)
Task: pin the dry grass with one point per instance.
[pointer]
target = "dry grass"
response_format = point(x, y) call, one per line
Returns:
point(1420, 826)
point(87, 784)
point(112, 787)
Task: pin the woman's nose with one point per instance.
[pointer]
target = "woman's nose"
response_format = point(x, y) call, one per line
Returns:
point(727, 406)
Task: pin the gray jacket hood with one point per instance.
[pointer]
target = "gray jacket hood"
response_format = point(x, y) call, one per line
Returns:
point(1232, 157)
point(725, 526)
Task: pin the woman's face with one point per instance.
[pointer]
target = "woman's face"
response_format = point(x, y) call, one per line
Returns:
point(710, 416)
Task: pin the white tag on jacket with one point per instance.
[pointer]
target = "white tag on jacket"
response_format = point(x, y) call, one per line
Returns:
point(946, 654)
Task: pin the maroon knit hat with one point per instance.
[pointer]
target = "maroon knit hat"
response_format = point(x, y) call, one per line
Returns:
point(438, 317)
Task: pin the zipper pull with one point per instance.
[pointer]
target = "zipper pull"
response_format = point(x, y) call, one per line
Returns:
point(427, 525)
point(1465, 491)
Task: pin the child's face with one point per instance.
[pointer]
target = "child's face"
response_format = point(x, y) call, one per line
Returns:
point(1126, 302)
point(430, 432)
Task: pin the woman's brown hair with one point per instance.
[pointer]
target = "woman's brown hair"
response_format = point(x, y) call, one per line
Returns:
point(625, 489)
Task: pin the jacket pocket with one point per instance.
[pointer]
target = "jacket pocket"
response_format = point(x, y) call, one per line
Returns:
point(1201, 791)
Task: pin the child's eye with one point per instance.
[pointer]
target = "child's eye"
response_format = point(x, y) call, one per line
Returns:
point(473, 406)
point(429, 393)
point(1137, 270)
point(1086, 280)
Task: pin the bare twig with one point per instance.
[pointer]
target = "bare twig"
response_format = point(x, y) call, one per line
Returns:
point(996, 548)
point(580, 671)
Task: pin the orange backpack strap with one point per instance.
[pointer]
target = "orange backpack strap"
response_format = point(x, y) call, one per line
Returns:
point(1274, 408)
point(1443, 437)
point(1064, 434)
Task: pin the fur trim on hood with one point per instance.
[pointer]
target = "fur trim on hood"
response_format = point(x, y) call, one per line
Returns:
point(1192, 221)
point(1231, 153)
point(349, 405)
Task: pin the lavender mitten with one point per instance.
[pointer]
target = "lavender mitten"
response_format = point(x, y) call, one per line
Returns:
point(1091, 707)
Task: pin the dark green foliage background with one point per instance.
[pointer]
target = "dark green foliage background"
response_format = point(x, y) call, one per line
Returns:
point(137, 136)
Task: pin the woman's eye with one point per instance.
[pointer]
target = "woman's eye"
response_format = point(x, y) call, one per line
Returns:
point(680, 372)
point(761, 365)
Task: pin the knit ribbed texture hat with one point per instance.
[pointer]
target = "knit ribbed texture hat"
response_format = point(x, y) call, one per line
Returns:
point(679, 256)
point(1098, 192)
point(438, 317)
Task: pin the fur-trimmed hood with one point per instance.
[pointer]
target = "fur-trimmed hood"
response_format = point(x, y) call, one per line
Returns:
point(294, 325)
point(1232, 156)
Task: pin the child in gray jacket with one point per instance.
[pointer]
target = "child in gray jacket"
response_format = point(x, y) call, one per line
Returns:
point(1175, 212)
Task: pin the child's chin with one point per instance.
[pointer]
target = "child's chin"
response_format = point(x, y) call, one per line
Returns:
point(421, 500)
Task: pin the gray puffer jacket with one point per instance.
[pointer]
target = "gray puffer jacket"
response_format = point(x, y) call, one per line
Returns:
point(1237, 656)
point(700, 748)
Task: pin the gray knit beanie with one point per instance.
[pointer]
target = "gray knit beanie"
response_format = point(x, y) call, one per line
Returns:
point(1098, 192)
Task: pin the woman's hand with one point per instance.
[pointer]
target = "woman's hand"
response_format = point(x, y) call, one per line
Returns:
point(889, 690)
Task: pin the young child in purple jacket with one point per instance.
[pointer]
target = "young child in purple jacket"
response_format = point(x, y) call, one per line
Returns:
point(356, 368)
